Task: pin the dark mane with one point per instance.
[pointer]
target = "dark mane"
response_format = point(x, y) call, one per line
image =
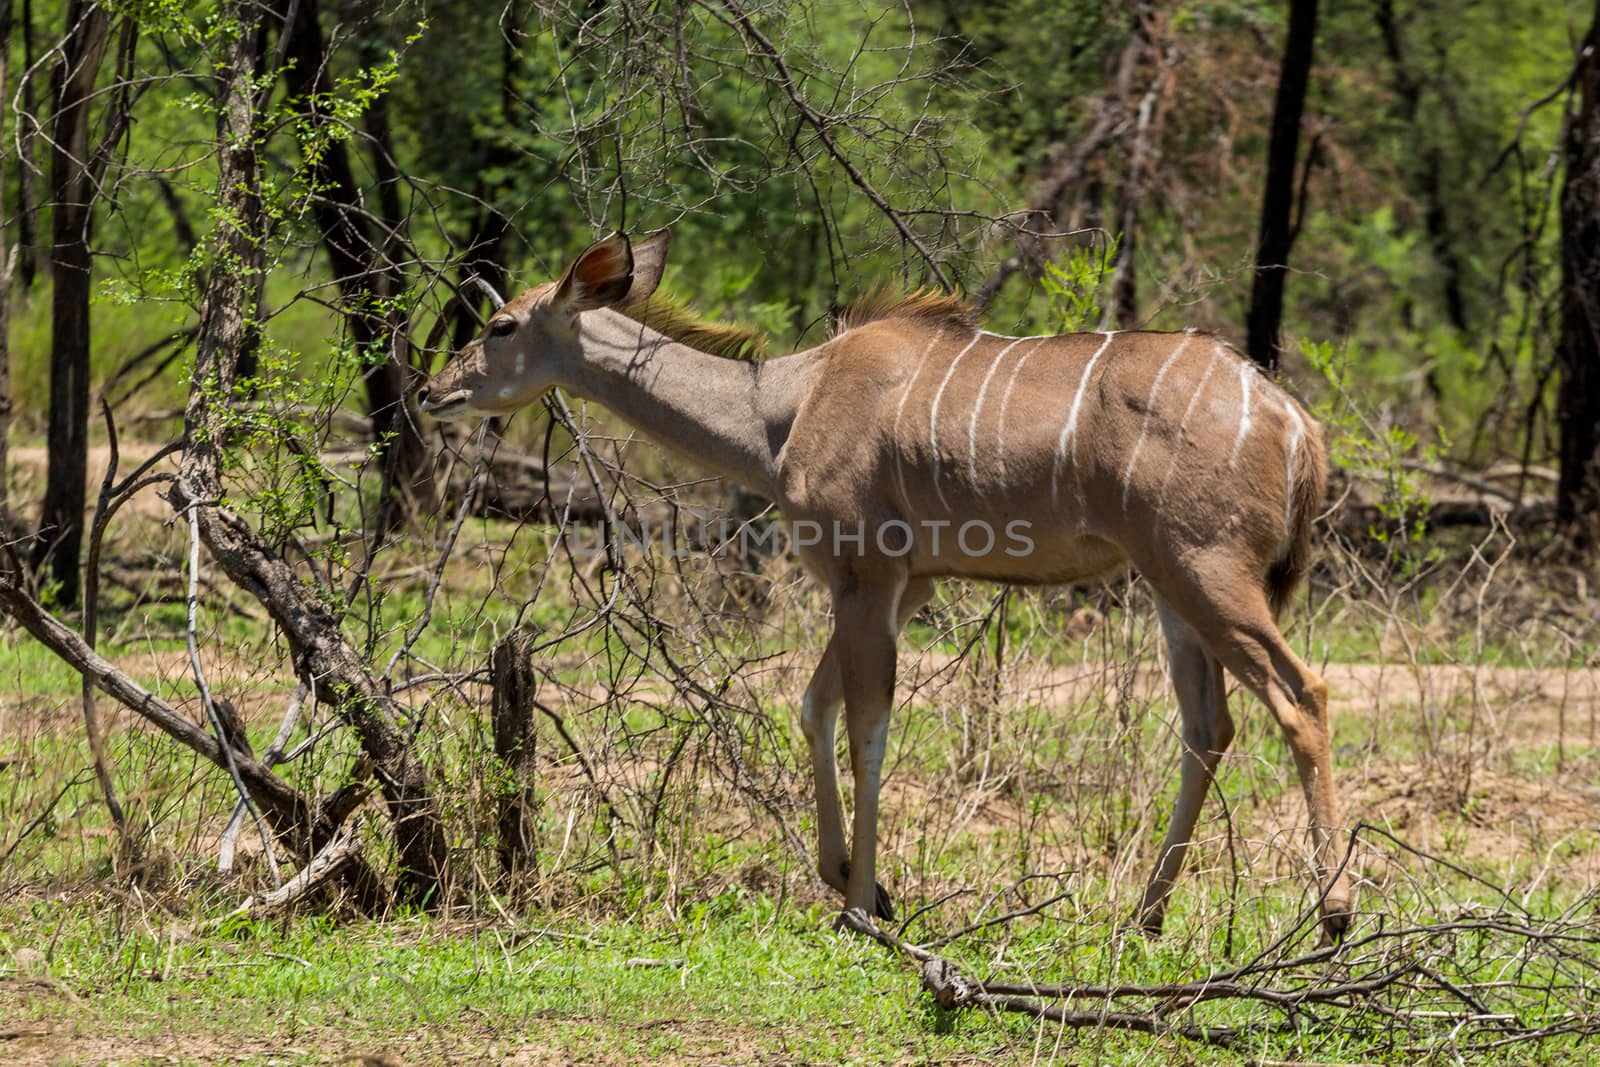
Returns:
point(683, 324)
point(924, 305)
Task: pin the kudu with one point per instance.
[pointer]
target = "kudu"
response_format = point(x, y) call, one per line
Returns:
point(1168, 452)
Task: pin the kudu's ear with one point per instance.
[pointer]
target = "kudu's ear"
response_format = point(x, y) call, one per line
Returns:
point(649, 260)
point(599, 278)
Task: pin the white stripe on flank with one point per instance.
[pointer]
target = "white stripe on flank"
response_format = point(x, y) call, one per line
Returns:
point(1149, 407)
point(899, 472)
point(977, 406)
point(933, 416)
point(1296, 428)
point(1072, 419)
point(1200, 387)
point(1009, 337)
point(1244, 413)
point(1005, 402)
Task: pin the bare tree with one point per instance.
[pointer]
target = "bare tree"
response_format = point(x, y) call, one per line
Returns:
point(1578, 412)
point(1277, 203)
point(27, 200)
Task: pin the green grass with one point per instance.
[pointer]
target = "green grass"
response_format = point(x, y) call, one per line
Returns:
point(1064, 781)
point(737, 978)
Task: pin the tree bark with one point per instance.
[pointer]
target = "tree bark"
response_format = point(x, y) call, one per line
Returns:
point(72, 208)
point(1136, 169)
point(512, 717)
point(27, 201)
point(1578, 404)
point(8, 265)
point(1277, 202)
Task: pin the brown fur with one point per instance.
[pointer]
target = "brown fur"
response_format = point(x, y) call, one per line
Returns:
point(1310, 486)
point(924, 305)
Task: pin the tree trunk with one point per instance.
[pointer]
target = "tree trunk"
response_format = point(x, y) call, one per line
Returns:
point(27, 201)
point(1136, 171)
point(1277, 202)
point(364, 275)
point(310, 627)
point(486, 252)
point(1578, 406)
point(1066, 174)
point(72, 208)
point(7, 273)
point(512, 716)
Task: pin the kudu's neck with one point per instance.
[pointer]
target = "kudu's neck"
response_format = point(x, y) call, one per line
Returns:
point(730, 416)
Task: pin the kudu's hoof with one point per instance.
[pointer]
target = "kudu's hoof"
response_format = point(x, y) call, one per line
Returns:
point(881, 906)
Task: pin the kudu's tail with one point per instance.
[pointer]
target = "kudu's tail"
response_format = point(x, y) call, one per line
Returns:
point(1310, 468)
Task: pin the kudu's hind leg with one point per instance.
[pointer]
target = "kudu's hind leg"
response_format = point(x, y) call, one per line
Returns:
point(819, 720)
point(1245, 637)
point(1207, 731)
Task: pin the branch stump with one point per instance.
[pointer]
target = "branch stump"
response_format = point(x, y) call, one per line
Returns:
point(514, 685)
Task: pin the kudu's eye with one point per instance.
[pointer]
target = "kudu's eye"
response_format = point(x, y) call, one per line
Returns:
point(503, 326)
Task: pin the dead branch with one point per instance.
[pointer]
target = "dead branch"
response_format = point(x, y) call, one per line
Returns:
point(326, 865)
point(309, 624)
point(1069, 169)
point(1453, 977)
point(191, 643)
point(301, 824)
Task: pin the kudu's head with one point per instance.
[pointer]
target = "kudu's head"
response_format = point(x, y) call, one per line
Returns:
point(531, 343)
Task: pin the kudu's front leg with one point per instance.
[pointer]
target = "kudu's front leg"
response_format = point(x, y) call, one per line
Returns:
point(819, 719)
point(866, 623)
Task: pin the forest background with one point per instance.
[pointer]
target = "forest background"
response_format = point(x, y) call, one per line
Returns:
point(346, 641)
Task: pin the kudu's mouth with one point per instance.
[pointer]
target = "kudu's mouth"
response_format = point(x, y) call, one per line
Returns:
point(444, 408)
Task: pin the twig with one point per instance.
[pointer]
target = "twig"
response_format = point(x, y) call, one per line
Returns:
point(55, 635)
point(40, 819)
point(822, 125)
point(191, 642)
point(1008, 917)
point(273, 757)
point(951, 991)
point(91, 620)
point(426, 615)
